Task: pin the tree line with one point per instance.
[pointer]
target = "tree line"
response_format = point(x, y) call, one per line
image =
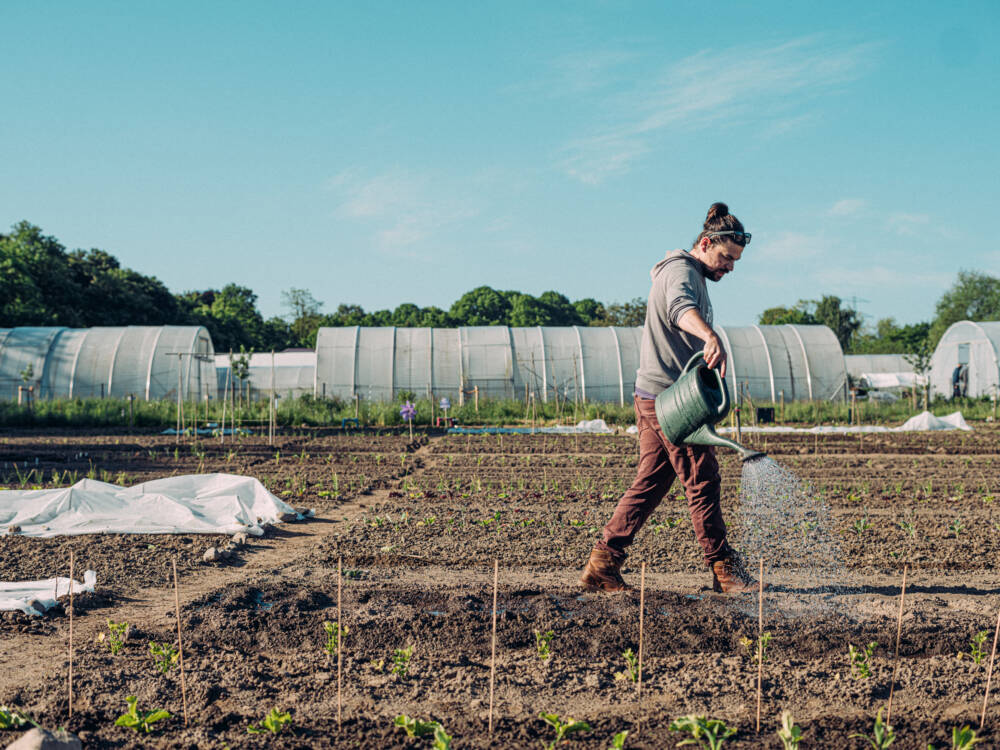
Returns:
point(43, 284)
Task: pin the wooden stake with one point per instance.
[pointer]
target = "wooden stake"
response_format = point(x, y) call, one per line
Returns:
point(493, 657)
point(760, 637)
point(642, 607)
point(71, 634)
point(895, 658)
point(340, 661)
point(180, 643)
point(989, 674)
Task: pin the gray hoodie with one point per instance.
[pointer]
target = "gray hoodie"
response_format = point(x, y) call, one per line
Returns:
point(678, 286)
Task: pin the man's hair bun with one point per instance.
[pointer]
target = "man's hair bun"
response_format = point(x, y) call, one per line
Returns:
point(719, 220)
point(716, 212)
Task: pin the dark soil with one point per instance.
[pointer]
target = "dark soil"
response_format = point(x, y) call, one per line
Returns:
point(418, 527)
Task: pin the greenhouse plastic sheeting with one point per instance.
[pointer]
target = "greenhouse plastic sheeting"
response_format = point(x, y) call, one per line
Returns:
point(148, 362)
point(923, 422)
point(34, 597)
point(974, 344)
point(572, 363)
point(191, 504)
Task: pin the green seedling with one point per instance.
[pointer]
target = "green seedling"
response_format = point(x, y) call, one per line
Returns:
point(907, 527)
point(164, 655)
point(859, 658)
point(631, 667)
point(442, 740)
point(115, 637)
point(543, 644)
point(618, 741)
point(861, 526)
point(274, 722)
point(962, 739)
point(334, 633)
point(414, 727)
point(563, 728)
point(140, 721)
point(755, 646)
point(789, 734)
point(956, 527)
point(708, 734)
point(12, 718)
point(882, 734)
point(976, 646)
point(401, 661)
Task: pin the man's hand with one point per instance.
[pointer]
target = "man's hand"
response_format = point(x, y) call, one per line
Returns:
point(715, 355)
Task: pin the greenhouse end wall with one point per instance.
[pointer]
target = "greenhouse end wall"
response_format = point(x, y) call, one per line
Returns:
point(974, 344)
point(147, 362)
point(569, 363)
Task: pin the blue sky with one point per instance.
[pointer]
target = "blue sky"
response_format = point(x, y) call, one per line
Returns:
point(386, 152)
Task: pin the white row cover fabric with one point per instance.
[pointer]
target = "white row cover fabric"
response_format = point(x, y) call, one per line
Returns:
point(585, 427)
point(35, 597)
point(923, 422)
point(574, 363)
point(891, 380)
point(190, 504)
point(293, 375)
point(148, 362)
point(968, 343)
point(859, 365)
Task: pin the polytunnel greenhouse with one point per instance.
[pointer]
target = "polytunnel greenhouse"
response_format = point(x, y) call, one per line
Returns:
point(572, 363)
point(881, 371)
point(975, 345)
point(292, 375)
point(148, 362)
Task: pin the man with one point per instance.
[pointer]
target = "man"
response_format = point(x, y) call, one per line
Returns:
point(678, 324)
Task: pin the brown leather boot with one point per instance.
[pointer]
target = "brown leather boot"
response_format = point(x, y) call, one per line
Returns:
point(603, 573)
point(729, 576)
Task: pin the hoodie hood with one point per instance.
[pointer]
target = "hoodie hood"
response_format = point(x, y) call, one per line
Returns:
point(673, 256)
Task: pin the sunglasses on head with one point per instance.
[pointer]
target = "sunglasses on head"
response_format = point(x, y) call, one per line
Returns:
point(740, 238)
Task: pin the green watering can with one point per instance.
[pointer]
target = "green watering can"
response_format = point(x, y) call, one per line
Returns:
point(689, 409)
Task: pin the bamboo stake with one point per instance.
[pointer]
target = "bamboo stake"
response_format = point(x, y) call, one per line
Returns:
point(493, 657)
point(895, 658)
point(989, 674)
point(760, 637)
point(180, 643)
point(642, 607)
point(340, 578)
point(71, 634)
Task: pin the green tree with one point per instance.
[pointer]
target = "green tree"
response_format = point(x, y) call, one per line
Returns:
point(843, 321)
point(304, 318)
point(483, 306)
point(973, 296)
point(36, 286)
point(631, 313)
point(591, 311)
point(891, 338)
point(776, 316)
point(560, 311)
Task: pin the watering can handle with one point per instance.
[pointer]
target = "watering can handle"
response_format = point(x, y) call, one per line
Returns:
point(698, 357)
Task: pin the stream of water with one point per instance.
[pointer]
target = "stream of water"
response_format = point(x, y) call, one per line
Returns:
point(782, 520)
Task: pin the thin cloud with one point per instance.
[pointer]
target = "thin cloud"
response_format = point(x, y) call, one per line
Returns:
point(908, 224)
point(847, 207)
point(404, 208)
point(709, 88)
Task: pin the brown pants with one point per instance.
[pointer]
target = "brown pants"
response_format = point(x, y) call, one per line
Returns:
point(660, 461)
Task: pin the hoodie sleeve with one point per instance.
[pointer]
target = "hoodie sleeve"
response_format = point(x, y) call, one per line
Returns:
point(680, 289)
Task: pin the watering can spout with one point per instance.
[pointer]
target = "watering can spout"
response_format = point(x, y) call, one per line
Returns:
point(706, 435)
